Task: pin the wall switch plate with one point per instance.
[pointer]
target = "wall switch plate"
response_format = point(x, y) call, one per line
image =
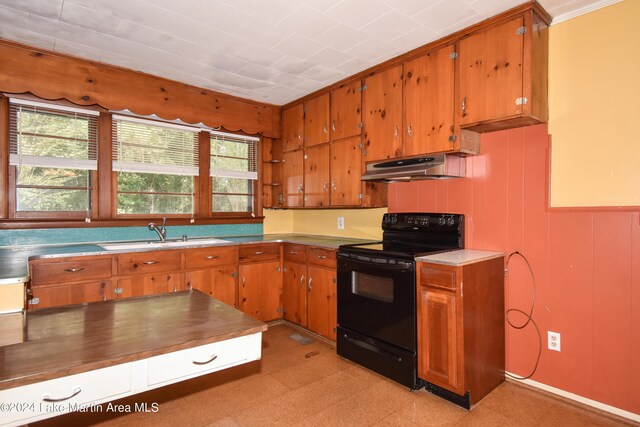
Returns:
point(553, 340)
point(340, 223)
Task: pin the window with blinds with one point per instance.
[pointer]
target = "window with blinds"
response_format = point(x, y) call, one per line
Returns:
point(156, 164)
point(54, 150)
point(233, 170)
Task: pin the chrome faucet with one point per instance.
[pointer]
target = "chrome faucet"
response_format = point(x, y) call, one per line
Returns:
point(162, 231)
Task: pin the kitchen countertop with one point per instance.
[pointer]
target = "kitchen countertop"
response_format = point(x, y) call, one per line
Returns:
point(14, 260)
point(460, 257)
point(78, 338)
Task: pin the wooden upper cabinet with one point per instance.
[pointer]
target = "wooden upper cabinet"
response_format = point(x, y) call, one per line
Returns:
point(346, 109)
point(316, 176)
point(503, 75)
point(292, 179)
point(345, 172)
point(316, 120)
point(429, 103)
point(382, 115)
point(292, 127)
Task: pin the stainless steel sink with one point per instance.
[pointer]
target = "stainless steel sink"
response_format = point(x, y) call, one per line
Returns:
point(156, 244)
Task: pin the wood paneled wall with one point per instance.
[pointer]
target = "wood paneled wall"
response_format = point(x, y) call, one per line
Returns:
point(53, 76)
point(586, 264)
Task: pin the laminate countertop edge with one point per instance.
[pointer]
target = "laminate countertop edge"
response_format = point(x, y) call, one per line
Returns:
point(460, 257)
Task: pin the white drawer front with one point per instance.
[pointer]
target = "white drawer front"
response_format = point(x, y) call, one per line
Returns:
point(183, 364)
point(26, 402)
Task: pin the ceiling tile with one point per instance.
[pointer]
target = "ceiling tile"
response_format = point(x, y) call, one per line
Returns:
point(358, 13)
point(341, 37)
point(307, 22)
point(445, 14)
point(222, 61)
point(45, 8)
point(257, 72)
point(416, 38)
point(490, 8)
point(219, 15)
point(298, 46)
point(182, 7)
point(410, 7)
point(272, 10)
point(21, 35)
point(178, 25)
point(261, 32)
point(320, 5)
point(329, 57)
point(134, 10)
point(216, 40)
point(292, 65)
point(369, 49)
point(320, 74)
point(259, 55)
point(75, 14)
point(390, 26)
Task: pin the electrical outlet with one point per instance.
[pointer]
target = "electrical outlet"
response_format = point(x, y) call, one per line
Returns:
point(340, 223)
point(553, 340)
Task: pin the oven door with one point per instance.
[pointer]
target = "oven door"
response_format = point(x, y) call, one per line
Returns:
point(377, 297)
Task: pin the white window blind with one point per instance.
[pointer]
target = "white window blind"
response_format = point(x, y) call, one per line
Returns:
point(234, 156)
point(144, 146)
point(44, 135)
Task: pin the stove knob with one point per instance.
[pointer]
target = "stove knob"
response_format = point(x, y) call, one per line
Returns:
point(425, 221)
point(386, 219)
point(451, 221)
point(394, 219)
point(442, 221)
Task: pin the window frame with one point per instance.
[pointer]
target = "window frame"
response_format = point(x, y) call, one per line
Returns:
point(104, 185)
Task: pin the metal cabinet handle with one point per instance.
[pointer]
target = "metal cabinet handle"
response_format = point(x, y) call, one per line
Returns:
point(49, 399)
point(293, 252)
point(211, 257)
point(321, 257)
point(409, 130)
point(310, 282)
point(324, 128)
point(325, 186)
point(333, 125)
point(302, 280)
point(299, 136)
point(73, 270)
point(150, 262)
point(464, 106)
point(333, 185)
point(213, 357)
point(244, 280)
point(259, 252)
point(300, 189)
point(395, 132)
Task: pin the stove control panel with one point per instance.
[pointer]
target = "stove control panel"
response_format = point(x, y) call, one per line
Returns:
point(421, 220)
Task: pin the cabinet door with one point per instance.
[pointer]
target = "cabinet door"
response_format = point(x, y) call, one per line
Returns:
point(440, 352)
point(321, 301)
point(292, 176)
point(491, 73)
point(316, 120)
point(78, 293)
point(294, 297)
point(429, 103)
point(316, 176)
point(260, 289)
point(136, 286)
point(382, 115)
point(345, 172)
point(219, 282)
point(346, 102)
point(292, 127)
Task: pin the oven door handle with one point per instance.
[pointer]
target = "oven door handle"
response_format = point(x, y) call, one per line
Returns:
point(399, 266)
point(373, 348)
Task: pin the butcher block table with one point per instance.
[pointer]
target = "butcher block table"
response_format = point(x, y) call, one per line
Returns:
point(78, 357)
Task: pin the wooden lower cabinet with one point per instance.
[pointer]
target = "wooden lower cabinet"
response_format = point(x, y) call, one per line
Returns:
point(322, 301)
point(136, 286)
point(67, 294)
point(219, 282)
point(294, 292)
point(259, 290)
point(461, 344)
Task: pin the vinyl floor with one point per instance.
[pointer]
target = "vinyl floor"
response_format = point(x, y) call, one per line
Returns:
point(309, 385)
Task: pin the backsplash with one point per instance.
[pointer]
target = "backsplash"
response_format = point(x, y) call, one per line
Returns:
point(106, 234)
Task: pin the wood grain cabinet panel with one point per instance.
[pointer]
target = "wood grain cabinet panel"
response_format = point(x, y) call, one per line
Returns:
point(429, 103)
point(322, 301)
point(149, 284)
point(260, 289)
point(294, 252)
point(346, 170)
point(67, 294)
point(257, 253)
point(149, 262)
point(69, 269)
point(382, 115)
point(293, 179)
point(210, 256)
point(220, 282)
point(293, 127)
point(316, 176)
point(503, 75)
point(461, 326)
point(294, 292)
point(346, 110)
point(316, 120)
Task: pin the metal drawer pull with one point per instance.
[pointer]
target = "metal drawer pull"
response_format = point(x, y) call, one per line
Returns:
point(73, 270)
point(150, 262)
point(214, 357)
point(211, 257)
point(48, 399)
point(259, 253)
point(293, 252)
point(321, 257)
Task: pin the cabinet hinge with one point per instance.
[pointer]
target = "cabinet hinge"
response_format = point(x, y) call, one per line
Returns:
point(284, 311)
point(34, 301)
point(360, 146)
point(362, 88)
point(280, 199)
point(360, 125)
point(360, 196)
point(521, 101)
point(364, 153)
point(278, 269)
point(233, 274)
point(452, 138)
point(306, 157)
point(453, 55)
point(117, 291)
point(521, 30)
point(278, 310)
point(285, 269)
point(335, 330)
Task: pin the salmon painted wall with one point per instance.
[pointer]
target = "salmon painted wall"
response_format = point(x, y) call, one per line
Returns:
point(586, 265)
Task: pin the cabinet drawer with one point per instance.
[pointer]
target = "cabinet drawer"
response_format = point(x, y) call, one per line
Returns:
point(96, 386)
point(438, 278)
point(183, 364)
point(212, 256)
point(296, 253)
point(266, 252)
point(149, 262)
point(320, 256)
point(70, 270)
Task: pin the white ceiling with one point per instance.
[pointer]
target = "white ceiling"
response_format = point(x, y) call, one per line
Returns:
point(272, 51)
